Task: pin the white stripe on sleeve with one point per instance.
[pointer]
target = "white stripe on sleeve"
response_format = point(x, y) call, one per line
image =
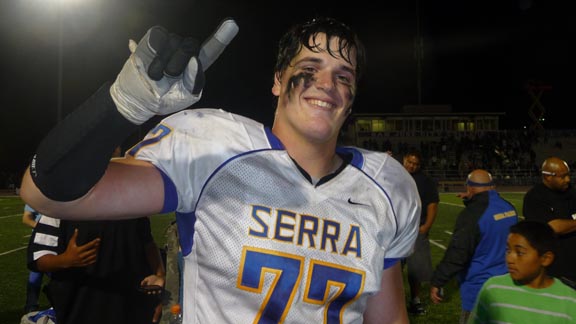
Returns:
point(54, 222)
point(37, 255)
point(45, 239)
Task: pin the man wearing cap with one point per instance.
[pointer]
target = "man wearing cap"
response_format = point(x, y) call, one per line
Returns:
point(554, 202)
point(477, 249)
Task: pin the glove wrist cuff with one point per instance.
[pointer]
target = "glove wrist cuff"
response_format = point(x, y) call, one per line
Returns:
point(128, 108)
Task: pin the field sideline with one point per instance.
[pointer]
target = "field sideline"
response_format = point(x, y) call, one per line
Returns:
point(14, 239)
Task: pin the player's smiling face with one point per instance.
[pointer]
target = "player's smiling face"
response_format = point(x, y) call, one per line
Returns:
point(315, 92)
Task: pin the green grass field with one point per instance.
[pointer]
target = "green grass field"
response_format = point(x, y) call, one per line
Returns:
point(14, 238)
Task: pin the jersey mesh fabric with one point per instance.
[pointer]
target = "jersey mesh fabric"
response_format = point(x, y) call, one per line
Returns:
point(267, 244)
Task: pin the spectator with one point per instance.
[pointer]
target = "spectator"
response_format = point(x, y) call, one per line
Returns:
point(553, 201)
point(34, 285)
point(101, 271)
point(419, 263)
point(173, 284)
point(527, 294)
point(477, 248)
point(275, 225)
point(98, 281)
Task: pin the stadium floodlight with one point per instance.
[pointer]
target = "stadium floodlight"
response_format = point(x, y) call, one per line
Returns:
point(69, 15)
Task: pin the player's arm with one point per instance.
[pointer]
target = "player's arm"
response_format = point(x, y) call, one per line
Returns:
point(71, 175)
point(388, 305)
point(28, 219)
point(128, 188)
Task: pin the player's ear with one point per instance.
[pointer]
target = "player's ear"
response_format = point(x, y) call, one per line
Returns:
point(277, 84)
point(547, 258)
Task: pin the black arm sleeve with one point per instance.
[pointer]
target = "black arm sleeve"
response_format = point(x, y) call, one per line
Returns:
point(74, 155)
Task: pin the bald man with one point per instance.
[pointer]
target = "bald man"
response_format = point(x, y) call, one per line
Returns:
point(553, 201)
point(477, 249)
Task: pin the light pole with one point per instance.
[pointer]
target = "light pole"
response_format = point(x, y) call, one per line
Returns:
point(419, 52)
point(60, 61)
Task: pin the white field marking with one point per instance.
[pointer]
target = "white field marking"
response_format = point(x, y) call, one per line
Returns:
point(17, 249)
point(438, 244)
point(7, 216)
point(451, 204)
point(448, 232)
point(516, 200)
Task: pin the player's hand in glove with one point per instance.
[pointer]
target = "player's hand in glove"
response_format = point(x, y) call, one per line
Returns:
point(165, 72)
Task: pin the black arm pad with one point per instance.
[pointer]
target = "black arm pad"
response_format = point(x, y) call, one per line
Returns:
point(75, 154)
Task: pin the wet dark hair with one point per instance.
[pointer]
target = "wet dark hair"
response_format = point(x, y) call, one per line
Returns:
point(299, 35)
point(540, 235)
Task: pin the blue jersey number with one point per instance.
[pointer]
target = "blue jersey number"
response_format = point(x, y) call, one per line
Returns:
point(287, 270)
point(159, 132)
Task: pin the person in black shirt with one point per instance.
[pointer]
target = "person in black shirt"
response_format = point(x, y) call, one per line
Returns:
point(553, 201)
point(97, 269)
point(419, 264)
point(100, 271)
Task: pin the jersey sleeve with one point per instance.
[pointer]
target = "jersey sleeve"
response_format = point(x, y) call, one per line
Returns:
point(401, 190)
point(44, 240)
point(189, 146)
point(29, 209)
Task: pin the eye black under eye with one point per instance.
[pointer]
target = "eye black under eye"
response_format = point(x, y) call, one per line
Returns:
point(345, 79)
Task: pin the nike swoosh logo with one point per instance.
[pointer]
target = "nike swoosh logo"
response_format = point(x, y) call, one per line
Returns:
point(355, 203)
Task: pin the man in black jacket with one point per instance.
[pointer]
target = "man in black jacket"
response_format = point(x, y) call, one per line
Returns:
point(554, 202)
point(477, 249)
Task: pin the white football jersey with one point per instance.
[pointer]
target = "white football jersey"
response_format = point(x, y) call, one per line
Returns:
point(261, 243)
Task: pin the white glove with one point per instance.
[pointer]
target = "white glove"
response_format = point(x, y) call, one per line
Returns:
point(165, 72)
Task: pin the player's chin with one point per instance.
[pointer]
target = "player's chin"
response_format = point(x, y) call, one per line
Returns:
point(516, 277)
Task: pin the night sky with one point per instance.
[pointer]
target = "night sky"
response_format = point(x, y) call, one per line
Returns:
point(477, 56)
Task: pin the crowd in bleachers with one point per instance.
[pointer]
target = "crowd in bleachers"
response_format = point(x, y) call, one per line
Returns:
point(8, 180)
point(457, 155)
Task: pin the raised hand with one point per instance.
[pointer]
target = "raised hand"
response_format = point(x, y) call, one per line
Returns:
point(165, 72)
